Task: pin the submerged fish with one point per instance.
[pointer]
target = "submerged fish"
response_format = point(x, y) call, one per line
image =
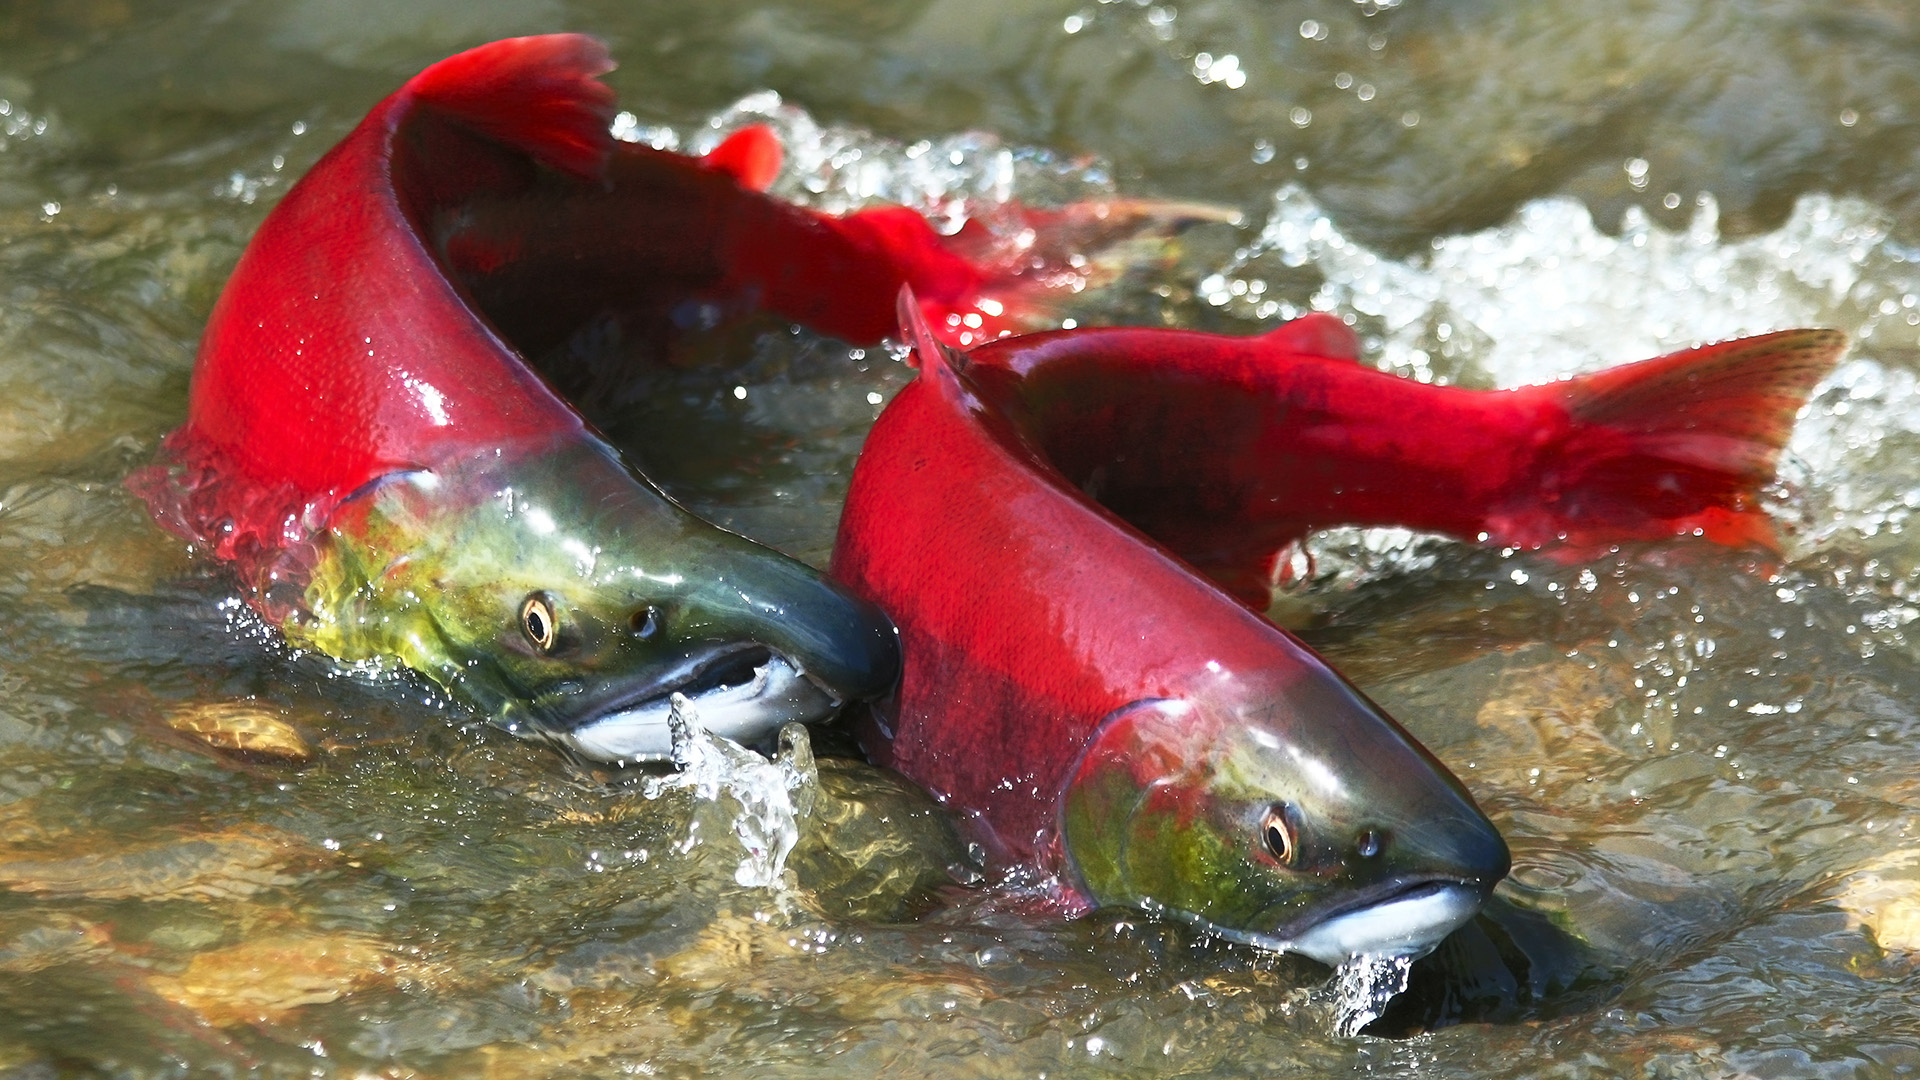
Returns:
point(1068, 529)
point(368, 448)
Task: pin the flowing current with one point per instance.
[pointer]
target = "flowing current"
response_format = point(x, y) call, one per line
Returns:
point(219, 858)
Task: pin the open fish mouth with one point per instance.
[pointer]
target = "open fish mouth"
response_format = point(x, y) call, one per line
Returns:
point(744, 693)
point(1394, 919)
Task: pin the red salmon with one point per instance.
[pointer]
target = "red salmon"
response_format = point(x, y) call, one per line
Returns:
point(1073, 531)
point(368, 448)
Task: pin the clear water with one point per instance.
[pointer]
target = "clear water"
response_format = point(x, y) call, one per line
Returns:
point(1704, 760)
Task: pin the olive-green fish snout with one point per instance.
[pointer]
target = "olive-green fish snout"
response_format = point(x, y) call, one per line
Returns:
point(1411, 887)
point(843, 644)
point(1412, 818)
point(750, 641)
point(1464, 845)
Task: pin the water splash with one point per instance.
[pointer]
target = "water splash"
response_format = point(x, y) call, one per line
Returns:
point(1549, 294)
point(771, 796)
point(1519, 303)
point(948, 179)
point(1361, 988)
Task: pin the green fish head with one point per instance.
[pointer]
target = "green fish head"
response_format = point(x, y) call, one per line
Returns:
point(568, 599)
point(1287, 813)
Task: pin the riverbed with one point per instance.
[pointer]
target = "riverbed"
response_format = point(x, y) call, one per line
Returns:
point(1704, 758)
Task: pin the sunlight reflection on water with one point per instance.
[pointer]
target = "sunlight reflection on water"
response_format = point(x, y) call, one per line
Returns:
point(1705, 760)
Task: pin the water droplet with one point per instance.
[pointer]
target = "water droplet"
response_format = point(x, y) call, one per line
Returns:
point(1362, 987)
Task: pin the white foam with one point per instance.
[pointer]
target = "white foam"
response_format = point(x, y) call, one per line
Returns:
point(1549, 294)
point(1363, 986)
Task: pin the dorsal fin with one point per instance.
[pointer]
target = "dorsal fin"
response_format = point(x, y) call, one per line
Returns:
point(539, 95)
point(752, 156)
point(1317, 333)
point(916, 332)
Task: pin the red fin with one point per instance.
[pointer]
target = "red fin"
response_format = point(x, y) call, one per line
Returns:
point(536, 94)
point(1729, 406)
point(751, 156)
point(1316, 333)
point(929, 352)
point(1684, 442)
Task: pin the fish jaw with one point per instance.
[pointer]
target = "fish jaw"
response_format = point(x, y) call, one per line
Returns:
point(1410, 922)
point(435, 570)
point(756, 692)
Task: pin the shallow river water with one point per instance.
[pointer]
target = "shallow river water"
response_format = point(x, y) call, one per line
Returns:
point(1707, 761)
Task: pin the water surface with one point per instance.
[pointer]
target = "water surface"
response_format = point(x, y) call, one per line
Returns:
point(1703, 759)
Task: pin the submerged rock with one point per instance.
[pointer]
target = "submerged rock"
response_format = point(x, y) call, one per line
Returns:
point(241, 727)
point(231, 865)
point(262, 980)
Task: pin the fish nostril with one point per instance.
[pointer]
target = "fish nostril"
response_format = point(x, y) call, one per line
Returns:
point(1370, 842)
point(645, 623)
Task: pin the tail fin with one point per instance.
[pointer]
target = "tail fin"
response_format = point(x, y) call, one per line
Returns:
point(1682, 443)
point(539, 95)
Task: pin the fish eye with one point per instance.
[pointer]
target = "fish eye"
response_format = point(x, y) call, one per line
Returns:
point(645, 623)
point(1277, 832)
point(539, 622)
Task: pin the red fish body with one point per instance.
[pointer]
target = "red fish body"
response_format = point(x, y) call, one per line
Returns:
point(381, 317)
point(1060, 525)
point(368, 447)
point(1050, 521)
point(1227, 449)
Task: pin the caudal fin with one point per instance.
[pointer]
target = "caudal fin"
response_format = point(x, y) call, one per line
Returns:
point(1679, 444)
point(539, 95)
